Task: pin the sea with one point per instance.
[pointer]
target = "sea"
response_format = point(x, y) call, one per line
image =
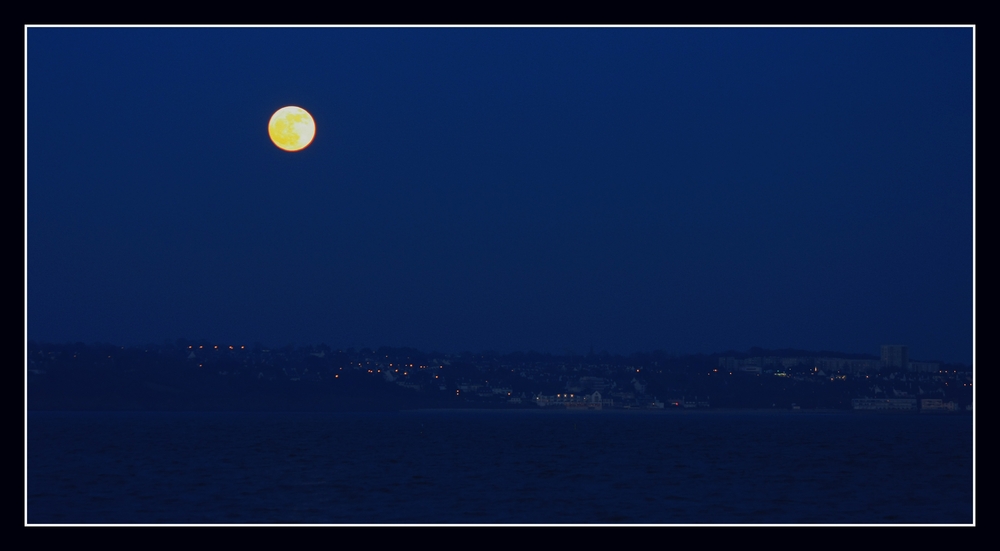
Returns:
point(497, 467)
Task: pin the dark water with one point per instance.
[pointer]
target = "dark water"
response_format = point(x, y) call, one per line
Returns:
point(487, 467)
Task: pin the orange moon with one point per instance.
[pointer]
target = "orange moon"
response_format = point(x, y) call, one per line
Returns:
point(291, 128)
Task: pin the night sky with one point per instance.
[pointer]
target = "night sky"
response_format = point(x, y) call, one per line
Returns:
point(549, 189)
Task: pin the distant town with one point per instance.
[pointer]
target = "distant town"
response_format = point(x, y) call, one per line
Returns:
point(201, 375)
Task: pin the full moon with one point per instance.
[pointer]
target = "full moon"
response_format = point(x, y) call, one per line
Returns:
point(291, 128)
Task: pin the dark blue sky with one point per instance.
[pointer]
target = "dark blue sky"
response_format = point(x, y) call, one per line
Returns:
point(685, 189)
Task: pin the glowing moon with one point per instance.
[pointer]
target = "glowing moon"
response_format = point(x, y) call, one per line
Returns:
point(291, 128)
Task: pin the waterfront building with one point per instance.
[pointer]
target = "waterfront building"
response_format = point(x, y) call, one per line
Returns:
point(885, 404)
point(574, 401)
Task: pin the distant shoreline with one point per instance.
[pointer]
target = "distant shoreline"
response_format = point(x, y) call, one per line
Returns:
point(553, 410)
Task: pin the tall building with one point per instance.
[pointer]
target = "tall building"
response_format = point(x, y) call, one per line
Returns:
point(895, 356)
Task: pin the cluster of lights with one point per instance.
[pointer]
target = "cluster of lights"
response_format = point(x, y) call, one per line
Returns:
point(231, 347)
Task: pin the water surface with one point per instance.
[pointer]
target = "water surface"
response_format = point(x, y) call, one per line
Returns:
point(527, 466)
